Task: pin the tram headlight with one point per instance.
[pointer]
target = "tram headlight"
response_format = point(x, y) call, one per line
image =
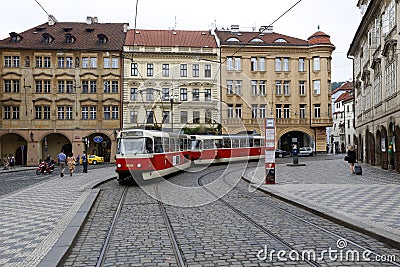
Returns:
point(139, 165)
point(119, 165)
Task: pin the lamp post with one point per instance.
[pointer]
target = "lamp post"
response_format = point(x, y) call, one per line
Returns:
point(171, 100)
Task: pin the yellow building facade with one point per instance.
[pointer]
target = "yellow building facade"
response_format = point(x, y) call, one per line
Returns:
point(270, 75)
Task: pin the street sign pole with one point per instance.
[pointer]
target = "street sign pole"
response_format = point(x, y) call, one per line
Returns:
point(270, 130)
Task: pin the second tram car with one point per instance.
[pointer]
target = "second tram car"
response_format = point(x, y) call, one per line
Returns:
point(207, 149)
point(146, 154)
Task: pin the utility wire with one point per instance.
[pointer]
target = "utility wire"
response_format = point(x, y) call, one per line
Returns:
point(42, 7)
point(245, 44)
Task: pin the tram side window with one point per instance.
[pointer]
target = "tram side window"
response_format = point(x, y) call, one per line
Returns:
point(244, 142)
point(177, 144)
point(172, 144)
point(227, 143)
point(183, 144)
point(158, 146)
point(235, 143)
point(257, 142)
point(166, 144)
point(218, 143)
point(208, 144)
point(149, 145)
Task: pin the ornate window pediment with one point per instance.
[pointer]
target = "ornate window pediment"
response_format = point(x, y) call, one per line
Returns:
point(389, 49)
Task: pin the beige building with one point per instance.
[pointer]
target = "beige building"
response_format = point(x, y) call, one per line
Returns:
point(61, 82)
point(376, 73)
point(267, 74)
point(171, 80)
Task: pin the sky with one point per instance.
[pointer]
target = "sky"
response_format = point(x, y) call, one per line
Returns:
point(337, 18)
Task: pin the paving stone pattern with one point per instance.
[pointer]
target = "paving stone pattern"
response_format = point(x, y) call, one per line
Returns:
point(32, 220)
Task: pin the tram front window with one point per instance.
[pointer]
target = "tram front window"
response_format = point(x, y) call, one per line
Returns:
point(135, 146)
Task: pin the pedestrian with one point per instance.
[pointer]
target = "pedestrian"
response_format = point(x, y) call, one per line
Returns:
point(84, 162)
point(351, 158)
point(12, 161)
point(5, 162)
point(48, 159)
point(77, 160)
point(71, 163)
point(61, 160)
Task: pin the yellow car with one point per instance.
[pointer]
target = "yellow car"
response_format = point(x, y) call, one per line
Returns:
point(93, 159)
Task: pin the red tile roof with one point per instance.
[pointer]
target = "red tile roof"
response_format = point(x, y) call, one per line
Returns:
point(319, 38)
point(85, 35)
point(347, 86)
point(170, 38)
point(268, 39)
point(344, 97)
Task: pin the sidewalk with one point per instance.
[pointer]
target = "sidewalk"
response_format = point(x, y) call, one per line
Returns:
point(369, 203)
point(38, 224)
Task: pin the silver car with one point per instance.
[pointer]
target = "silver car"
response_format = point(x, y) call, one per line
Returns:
point(305, 151)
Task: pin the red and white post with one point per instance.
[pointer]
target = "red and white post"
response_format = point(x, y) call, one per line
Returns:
point(270, 131)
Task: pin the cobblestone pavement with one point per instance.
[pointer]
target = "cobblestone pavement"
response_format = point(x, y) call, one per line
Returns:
point(369, 202)
point(32, 220)
point(210, 234)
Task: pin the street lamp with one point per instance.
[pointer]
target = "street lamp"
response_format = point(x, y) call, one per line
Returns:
point(171, 100)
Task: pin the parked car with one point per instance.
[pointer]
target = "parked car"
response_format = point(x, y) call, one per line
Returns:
point(306, 151)
point(93, 159)
point(281, 153)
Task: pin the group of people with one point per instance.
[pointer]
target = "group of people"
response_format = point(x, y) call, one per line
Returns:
point(8, 161)
point(70, 161)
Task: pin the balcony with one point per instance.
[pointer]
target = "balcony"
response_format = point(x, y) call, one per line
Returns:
point(321, 122)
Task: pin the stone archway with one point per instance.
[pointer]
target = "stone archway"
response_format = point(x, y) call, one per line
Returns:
point(360, 148)
point(14, 144)
point(378, 151)
point(303, 139)
point(52, 144)
point(390, 141)
point(99, 145)
point(370, 145)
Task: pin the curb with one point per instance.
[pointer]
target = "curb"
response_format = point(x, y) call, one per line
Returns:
point(386, 237)
point(60, 249)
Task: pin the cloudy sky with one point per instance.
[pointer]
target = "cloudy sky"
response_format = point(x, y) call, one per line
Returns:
point(337, 18)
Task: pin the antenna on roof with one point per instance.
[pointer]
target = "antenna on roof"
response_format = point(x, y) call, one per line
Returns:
point(52, 19)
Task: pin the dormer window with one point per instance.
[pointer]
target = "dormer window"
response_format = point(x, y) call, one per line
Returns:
point(67, 29)
point(47, 38)
point(89, 30)
point(69, 38)
point(257, 40)
point(15, 37)
point(102, 38)
point(39, 29)
point(280, 40)
point(233, 39)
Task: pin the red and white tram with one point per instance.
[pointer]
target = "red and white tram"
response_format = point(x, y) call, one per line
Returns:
point(207, 149)
point(144, 154)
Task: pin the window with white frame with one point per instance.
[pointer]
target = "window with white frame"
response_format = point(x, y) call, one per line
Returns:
point(302, 64)
point(262, 111)
point(196, 117)
point(38, 112)
point(165, 116)
point(262, 88)
point(254, 87)
point(207, 94)
point(238, 110)
point(278, 64)
point(16, 61)
point(85, 63)
point(254, 109)
point(317, 87)
point(60, 62)
point(286, 111)
point(165, 94)
point(150, 69)
point(114, 86)
point(133, 116)
point(7, 62)
point(6, 112)
point(69, 62)
point(229, 87)
point(286, 87)
point(85, 112)
point(390, 74)
point(69, 112)
point(302, 88)
point(184, 116)
point(238, 87)
point(316, 64)
point(278, 110)
point(254, 64)
point(183, 70)
point(286, 66)
point(238, 63)
point(134, 94)
point(195, 70)
point(115, 63)
point(261, 62)
point(46, 112)
point(196, 94)
point(15, 112)
point(278, 87)
point(183, 94)
point(230, 110)
point(229, 63)
point(60, 113)
point(93, 112)
point(107, 86)
point(165, 70)
point(149, 116)
point(207, 70)
point(93, 62)
point(150, 94)
point(134, 69)
point(317, 110)
point(47, 62)
point(302, 111)
point(106, 63)
point(377, 89)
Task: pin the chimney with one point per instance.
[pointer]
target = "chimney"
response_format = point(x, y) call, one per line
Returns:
point(52, 20)
point(89, 20)
point(95, 20)
point(266, 29)
point(126, 27)
point(235, 28)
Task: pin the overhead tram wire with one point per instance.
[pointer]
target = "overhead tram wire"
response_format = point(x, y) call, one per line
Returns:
point(248, 42)
point(42, 8)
